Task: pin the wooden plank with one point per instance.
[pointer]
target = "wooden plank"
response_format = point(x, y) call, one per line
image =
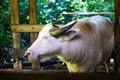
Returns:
point(14, 11)
point(33, 18)
point(19, 52)
point(16, 36)
point(117, 11)
point(35, 64)
point(87, 13)
point(117, 22)
point(117, 5)
point(26, 28)
point(117, 36)
point(33, 36)
point(54, 75)
point(33, 12)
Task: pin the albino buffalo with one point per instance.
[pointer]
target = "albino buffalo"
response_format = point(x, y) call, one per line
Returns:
point(81, 44)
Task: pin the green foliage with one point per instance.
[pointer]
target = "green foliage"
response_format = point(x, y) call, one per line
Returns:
point(24, 11)
point(5, 34)
point(51, 11)
point(100, 6)
point(47, 11)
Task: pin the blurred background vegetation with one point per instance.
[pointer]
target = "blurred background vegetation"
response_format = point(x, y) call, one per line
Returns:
point(47, 11)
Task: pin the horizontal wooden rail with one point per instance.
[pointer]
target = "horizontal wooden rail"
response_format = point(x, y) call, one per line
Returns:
point(26, 64)
point(27, 28)
point(87, 13)
point(55, 75)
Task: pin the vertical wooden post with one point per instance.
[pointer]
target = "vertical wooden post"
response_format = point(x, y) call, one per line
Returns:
point(117, 36)
point(16, 36)
point(33, 36)
point(33, 18)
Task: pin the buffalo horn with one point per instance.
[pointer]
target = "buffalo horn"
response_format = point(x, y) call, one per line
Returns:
point(56, 32)
point(53, 23)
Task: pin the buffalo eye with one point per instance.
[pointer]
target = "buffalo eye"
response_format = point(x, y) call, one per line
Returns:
point(45, 37)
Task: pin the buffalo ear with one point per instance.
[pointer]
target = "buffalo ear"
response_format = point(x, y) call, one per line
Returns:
point(69, 35)
point(72, 33)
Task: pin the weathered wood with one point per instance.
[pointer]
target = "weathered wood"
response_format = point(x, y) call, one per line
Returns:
point(16, 36)
point(87, 13)
point(33, 36)
point(33, 12)
point(117, 22)
point(10, 65)
point(35, 65)
point(18, 66)
point(55, 75)
point(14, 11)
point(117, 36)
point(19, 53)
point(16, 45)
point(26, 28)
point(33, 18)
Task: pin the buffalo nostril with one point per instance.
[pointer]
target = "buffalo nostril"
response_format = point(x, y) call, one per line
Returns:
point(26, 55)
point(39, 57)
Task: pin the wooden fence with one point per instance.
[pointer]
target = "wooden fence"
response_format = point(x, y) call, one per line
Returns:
point(55, 75)
point(117, 35)
point(16, 28)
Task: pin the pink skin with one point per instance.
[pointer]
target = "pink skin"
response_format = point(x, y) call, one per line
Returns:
point(82, 48)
